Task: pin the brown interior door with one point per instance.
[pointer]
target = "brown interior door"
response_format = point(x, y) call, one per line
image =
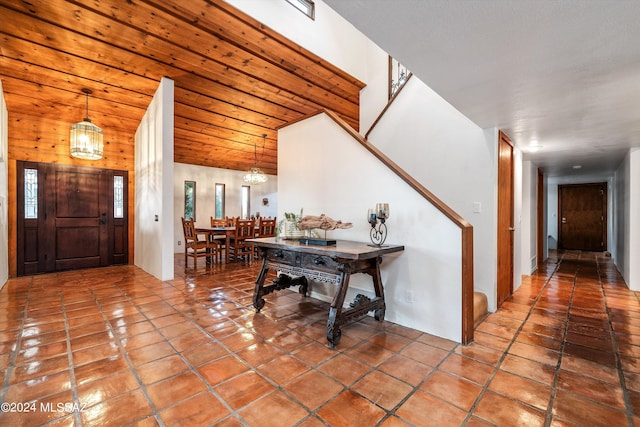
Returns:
point(582, 216)
point(505, 219)
point(79, 219)
point(79, 216)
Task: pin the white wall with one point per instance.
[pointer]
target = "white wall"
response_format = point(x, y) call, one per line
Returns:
point(4, 190)
point(328, 35)
point(422, 284)
point(545, 213)
point(552, 213)
point(518, 208)
point(206, 178)
point(454, 159)
point(335, 40)
point(633, 278)
point(153, 219)
point(525, 222)
point(627, 231)
point(431, 132)
point(375, 96)
point(621, 224)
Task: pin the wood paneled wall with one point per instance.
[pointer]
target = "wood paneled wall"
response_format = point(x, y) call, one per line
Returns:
point(36, 139)
point(235, 80)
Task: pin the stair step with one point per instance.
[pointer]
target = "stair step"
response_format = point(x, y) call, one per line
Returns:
point(479, 307)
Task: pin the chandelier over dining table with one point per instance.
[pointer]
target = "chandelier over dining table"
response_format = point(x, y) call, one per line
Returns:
point(255, 175)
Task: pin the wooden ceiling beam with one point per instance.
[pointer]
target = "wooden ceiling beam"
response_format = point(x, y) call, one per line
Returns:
point(192, 140)
point(142, 53)
point(190, 82)
point(216, 17)
point(224, 163)
point(225, 137)
point(235, 79)
point(33, 99)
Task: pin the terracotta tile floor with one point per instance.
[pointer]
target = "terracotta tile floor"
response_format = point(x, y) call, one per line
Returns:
point(115, 346)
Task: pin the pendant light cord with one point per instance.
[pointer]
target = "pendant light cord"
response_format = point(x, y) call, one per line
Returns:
point(255, 150)
point(87, 92)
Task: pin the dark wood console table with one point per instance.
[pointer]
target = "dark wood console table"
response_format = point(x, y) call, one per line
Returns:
point(329, 264)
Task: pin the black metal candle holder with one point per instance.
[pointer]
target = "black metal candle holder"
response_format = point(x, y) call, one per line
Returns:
point(378, 232)
point(377, 220)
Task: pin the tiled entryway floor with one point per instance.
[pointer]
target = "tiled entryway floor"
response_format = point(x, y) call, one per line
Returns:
point(115, 346)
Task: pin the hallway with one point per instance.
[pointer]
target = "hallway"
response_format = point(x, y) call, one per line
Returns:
point(115, 346)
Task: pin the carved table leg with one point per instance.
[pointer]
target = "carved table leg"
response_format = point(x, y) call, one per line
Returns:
point(378, 314)
point(304, 286)
point(258, 301)
point(335, 312)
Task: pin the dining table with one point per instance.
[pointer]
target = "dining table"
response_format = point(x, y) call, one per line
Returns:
point(217, 232)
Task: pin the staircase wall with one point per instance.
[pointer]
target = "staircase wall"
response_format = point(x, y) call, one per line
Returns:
point(452, 157)
point(323, 169)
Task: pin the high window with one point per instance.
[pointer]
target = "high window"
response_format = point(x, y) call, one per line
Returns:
point(219, 201)
point(246, 208)
point(190, 200)
point(305, 6)
point(398, 76)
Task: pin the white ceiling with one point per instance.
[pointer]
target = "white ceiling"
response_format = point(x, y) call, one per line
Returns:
point(562, 74)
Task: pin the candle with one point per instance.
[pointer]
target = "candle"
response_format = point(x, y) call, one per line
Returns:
point(371, 216)
point(382, 210)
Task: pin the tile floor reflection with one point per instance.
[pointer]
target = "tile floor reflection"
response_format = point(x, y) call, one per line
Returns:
point(115, 346)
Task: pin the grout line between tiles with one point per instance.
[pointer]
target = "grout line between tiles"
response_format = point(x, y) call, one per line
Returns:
point(16, 350)
point(392, 412)
point(556, 374)
point(210, 387)
point(496, 368)
point(176, 295)
point(124, 354)
point(616, 352)
point(72, 376)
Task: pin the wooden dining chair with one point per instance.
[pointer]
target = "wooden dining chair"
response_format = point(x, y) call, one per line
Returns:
point(238, 245)
point(266, 228)
point(220, 222)
point(196, 246)
point(220, 238)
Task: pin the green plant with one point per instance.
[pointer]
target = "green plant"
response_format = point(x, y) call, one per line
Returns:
point(292, 219)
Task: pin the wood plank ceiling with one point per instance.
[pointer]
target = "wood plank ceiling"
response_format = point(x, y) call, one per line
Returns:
point(235, 79)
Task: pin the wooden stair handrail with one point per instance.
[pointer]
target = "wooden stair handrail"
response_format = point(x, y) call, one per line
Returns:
point(465, 227)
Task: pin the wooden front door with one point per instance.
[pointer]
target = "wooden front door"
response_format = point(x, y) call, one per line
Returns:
point(70, 217)
point(505, 218)
point(582, 216)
